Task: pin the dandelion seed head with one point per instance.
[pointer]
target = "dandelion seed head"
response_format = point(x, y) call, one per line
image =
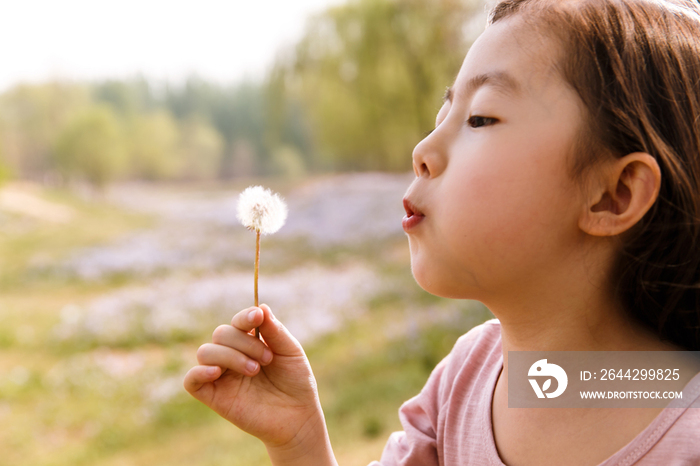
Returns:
point(261, 210)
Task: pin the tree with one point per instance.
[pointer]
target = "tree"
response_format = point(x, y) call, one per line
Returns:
point(127, 98)
point(153, 146)
point(370, 75)
point(91, 147)
point(5, 170)
point(32, 116)
point(202, 148)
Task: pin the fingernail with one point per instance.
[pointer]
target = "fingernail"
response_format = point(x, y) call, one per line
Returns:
point(251, 366)
point(267, 356)
point(211, 371)
point(252, 314)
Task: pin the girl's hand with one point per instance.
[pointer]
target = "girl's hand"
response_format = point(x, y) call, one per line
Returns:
point(267, 389)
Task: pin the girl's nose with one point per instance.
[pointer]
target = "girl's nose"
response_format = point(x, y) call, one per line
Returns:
point(429, 158)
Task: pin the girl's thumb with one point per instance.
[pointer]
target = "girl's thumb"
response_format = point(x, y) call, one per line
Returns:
point(276, 335)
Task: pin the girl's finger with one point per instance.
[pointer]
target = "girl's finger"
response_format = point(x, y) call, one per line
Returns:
point(199, 375)
point(277, 337)
point(226, 357)
point(247, 344)
point(248, 319)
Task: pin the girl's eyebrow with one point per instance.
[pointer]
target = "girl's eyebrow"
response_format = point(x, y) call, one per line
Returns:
point(501, 80)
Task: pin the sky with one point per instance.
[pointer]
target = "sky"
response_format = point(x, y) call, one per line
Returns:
point(219, 40)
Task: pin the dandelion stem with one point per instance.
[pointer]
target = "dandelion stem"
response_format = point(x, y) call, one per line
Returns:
point(257, 267)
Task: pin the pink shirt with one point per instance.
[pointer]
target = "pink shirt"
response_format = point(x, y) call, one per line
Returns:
point(449, 422)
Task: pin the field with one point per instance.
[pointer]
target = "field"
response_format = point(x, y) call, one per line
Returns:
point(104, 299)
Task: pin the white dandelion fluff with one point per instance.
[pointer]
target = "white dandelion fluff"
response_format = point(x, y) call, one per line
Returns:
point(261, 210)
point(264, 212)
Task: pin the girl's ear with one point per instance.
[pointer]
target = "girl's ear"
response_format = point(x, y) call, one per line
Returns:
point(627, 189)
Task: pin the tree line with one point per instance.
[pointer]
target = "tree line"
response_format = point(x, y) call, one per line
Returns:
point(355, 93)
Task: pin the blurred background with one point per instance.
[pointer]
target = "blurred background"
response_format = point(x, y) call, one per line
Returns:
point(127, 131)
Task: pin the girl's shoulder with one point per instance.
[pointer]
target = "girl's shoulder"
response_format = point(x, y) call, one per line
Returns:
point(486, 336)
point(474, 359)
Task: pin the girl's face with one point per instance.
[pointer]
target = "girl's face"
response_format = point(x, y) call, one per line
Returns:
point(499, 211)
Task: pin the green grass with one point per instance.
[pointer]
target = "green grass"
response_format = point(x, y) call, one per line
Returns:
point(27, 244)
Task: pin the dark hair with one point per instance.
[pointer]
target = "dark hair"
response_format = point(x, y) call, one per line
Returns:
point(636, 66)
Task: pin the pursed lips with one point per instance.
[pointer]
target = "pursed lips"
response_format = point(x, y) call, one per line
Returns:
point(413, 216)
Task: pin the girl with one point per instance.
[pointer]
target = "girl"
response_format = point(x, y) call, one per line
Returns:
point(561, 188)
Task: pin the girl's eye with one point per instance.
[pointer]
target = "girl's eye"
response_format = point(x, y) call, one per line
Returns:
point(479, 121)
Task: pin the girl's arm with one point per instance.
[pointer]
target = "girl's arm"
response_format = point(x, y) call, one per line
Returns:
point(266, 389)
